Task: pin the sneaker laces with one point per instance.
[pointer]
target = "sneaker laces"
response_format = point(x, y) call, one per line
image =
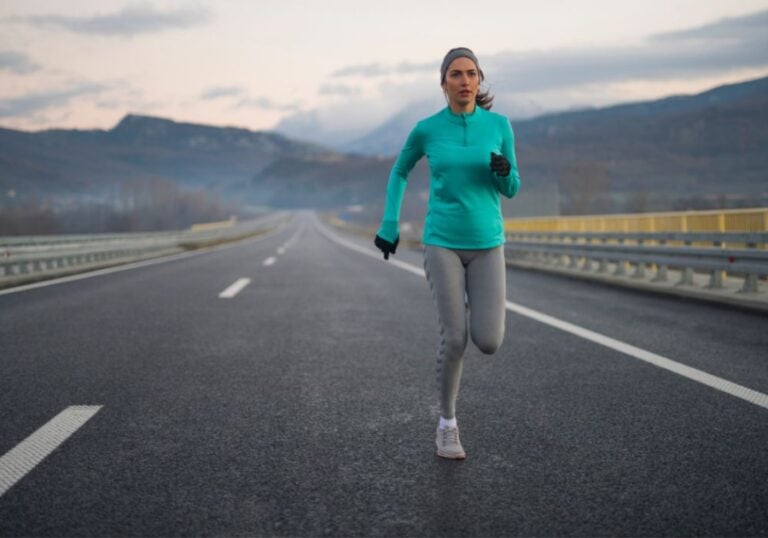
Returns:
point(450, 436)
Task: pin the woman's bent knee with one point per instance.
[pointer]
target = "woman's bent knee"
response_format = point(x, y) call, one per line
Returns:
point(489, 344)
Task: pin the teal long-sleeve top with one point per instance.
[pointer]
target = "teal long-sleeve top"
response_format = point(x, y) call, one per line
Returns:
point(464, 209)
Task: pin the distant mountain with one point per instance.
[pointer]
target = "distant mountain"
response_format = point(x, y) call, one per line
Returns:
point(705, 145)
point(60, 162)
point(388, 138)
point(322, 127)
point(705, 150)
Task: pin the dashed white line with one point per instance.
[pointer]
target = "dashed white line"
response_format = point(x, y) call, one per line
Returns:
point(269, 261)
point(235, 288)
point(31, 451)
point(285, 246)
point(694, 374)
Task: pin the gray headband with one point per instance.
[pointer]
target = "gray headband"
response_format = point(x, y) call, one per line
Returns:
point(460, 52)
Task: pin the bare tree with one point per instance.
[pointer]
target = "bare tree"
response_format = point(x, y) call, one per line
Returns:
point(585, 188)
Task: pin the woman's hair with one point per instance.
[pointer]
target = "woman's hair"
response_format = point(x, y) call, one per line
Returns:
point(482, 99)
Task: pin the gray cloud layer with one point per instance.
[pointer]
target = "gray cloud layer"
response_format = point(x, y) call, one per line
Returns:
point(378, 70)
point(730, 43)
point(129, 21)
point(221, 91)
point(339, 89)
point(753, 26)
point(266, 104)
point(17, 62)
point(30, 104)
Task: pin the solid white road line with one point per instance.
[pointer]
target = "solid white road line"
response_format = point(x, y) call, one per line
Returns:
point(26, 455)
point(269, 261)
point(370, 252)
point(718, 383)
point(235, 288)
point(295, 236)
point(734, 389)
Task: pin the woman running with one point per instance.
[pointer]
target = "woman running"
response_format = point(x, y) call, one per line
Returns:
point(471, 158)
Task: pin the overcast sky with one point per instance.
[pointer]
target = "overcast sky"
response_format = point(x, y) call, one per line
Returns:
point(349, 64)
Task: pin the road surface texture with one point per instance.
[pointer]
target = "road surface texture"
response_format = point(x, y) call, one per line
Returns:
point(304, 404)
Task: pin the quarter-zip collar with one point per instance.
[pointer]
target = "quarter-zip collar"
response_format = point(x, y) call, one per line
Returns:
point(463, 118)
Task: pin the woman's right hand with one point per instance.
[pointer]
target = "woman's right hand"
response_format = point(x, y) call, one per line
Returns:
point(385, 246)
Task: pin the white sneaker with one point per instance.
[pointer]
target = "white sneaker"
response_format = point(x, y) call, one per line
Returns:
point(448, 444)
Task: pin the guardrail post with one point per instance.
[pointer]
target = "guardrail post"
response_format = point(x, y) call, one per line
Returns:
point(538, 256)
point(640, 266)
point(621, 265)
point(686, 277)
point(603, 264)
point(661, 269)
point(686, 274)
point(750, 284)
point(715, 280)
point(587, 266)
point(574, 258)
point(716, 277)
point(559, 260)
point(750, 280)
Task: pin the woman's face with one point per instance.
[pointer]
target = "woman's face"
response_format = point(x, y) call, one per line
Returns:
point(462, 82)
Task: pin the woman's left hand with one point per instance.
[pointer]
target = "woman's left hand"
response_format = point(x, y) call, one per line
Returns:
point(385, 246)
point(500, 164)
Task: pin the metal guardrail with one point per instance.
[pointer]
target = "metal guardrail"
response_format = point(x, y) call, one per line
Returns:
point(717, 221)
point(36, 254)
point(594, 251)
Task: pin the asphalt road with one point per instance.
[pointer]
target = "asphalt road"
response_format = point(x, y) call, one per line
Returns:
point(305, 405)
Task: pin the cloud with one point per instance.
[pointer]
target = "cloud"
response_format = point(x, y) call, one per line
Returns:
point(17, 62)
point(373, 70)
point(751, 26)
point(131, 20)
point(222, 91)
point(528, 83)
point(16, 107)
point(339, 89)
point(722, 46)
point(727, 44)
point(362, 70)
point(265, 103)
point(405, 68)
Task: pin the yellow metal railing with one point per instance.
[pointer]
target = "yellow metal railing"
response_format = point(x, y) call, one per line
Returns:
point(732, 220)
point(214, 225)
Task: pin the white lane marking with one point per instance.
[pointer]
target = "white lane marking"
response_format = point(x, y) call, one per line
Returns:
point(269, 261)
point(370, 252)
point(31, 451)
point(285, 246)
point(734, 389)
point(235, 288)
point(135, 265)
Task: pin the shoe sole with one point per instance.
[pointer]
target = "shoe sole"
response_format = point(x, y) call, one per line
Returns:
point(450, 456)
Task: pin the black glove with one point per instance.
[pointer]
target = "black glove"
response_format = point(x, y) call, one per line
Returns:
point(500, 165)
point(385, 246)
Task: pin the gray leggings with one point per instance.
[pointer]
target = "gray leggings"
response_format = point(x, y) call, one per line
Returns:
point(481, 275)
